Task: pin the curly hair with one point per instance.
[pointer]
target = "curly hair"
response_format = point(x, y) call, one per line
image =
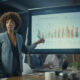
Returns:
point(11, 15)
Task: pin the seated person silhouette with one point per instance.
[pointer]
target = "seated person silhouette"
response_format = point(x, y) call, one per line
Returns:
point(35, 61)
point(63, 62)
point(51, 61)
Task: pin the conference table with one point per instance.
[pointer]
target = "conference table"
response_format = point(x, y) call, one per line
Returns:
point(37, 75)
point(28, 77)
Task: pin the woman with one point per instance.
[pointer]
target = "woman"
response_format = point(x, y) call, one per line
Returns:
point(12, 45)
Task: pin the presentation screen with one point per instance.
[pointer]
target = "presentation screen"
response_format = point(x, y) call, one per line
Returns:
point(61, 31)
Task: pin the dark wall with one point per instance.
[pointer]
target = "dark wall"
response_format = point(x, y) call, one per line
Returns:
point(1, 29)
point(23, 28)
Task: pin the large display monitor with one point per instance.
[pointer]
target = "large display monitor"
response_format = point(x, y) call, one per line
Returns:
point(60, 27)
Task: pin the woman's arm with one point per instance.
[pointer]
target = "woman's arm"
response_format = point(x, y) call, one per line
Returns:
point(39, 41)
point(29, 48)
point(35, 44)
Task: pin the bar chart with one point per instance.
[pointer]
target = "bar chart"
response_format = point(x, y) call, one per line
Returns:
point(60, 31)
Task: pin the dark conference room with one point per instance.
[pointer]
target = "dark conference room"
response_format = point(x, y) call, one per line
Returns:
point(39, 39)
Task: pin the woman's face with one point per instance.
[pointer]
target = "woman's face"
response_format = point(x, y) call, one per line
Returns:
point(10, 25)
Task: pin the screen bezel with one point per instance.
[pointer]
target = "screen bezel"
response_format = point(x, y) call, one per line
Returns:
point(66, 9)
